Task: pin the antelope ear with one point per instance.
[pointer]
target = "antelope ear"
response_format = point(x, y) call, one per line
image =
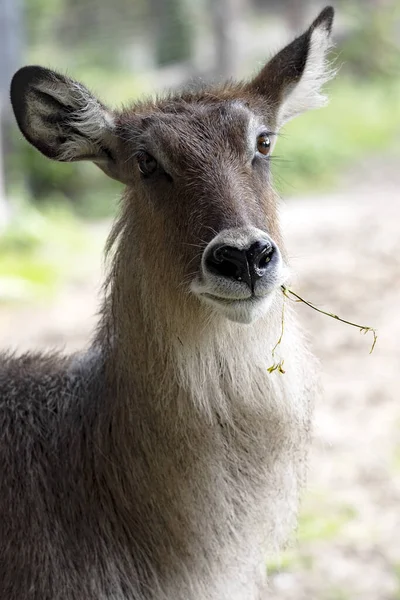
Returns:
point(292, 79)
point(61, 118)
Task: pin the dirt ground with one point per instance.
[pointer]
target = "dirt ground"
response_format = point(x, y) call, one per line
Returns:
point(345, 250)
point(346, 253)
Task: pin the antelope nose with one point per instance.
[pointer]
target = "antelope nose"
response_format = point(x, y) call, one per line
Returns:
point(242, 265)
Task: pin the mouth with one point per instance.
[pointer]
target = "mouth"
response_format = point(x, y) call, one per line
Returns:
point(230, 301)
point(242, 310)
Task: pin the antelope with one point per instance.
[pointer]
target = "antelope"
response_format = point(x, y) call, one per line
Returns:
point(165, 461)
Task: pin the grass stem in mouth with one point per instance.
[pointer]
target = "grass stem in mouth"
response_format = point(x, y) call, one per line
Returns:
point(278, 366)
point(363, 328)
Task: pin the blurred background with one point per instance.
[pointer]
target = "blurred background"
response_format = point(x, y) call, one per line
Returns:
point(338, 173)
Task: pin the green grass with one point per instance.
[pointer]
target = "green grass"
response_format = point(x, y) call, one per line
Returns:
point(396, 571)
point(39, 250)
point(335, 593)
point(315, 149)
point(318, 523)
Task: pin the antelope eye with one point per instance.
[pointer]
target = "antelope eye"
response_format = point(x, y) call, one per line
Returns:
point(147, 164)
point(263, 144)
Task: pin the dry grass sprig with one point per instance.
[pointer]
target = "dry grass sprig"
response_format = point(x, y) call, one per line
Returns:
point(277, 366)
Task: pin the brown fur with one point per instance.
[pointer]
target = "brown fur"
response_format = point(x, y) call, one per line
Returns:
point(165, 462)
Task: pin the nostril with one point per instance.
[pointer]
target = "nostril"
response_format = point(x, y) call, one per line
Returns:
point(258, 256)
point(242, 265)
point(221, 254)
point(263, 257)
point(228, 261)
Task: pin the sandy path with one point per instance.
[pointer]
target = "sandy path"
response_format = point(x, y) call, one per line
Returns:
point(346, 251)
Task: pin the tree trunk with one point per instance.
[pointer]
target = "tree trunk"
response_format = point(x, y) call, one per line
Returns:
point(227, 19)
point(172, 32)
point(10, 53)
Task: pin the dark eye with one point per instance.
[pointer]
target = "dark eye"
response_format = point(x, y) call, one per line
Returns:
point(147, 164)
point(263, 144)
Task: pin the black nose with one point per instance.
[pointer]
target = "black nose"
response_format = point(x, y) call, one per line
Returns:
point(243, 265)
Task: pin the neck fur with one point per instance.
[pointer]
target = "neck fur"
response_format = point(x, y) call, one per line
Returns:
point(192, 408)
point(166, 347)
point(180, 351)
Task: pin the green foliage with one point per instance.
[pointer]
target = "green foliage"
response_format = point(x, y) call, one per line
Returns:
point(396, 571)
point(285, 562)
point(101, 32)
point(80, 185)
point(174, 39)
point(370, 49)
point(336, 593)
point(40, 248)
point(362, 118)
point(319, 523)
point(86, 30)
point(40, 17)
point(323, 527)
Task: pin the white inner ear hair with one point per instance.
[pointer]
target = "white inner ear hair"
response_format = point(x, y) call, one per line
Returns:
point(306, 94)
point(89, 118)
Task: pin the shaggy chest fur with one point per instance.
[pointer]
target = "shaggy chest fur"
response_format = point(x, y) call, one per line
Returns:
point(184, 504)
